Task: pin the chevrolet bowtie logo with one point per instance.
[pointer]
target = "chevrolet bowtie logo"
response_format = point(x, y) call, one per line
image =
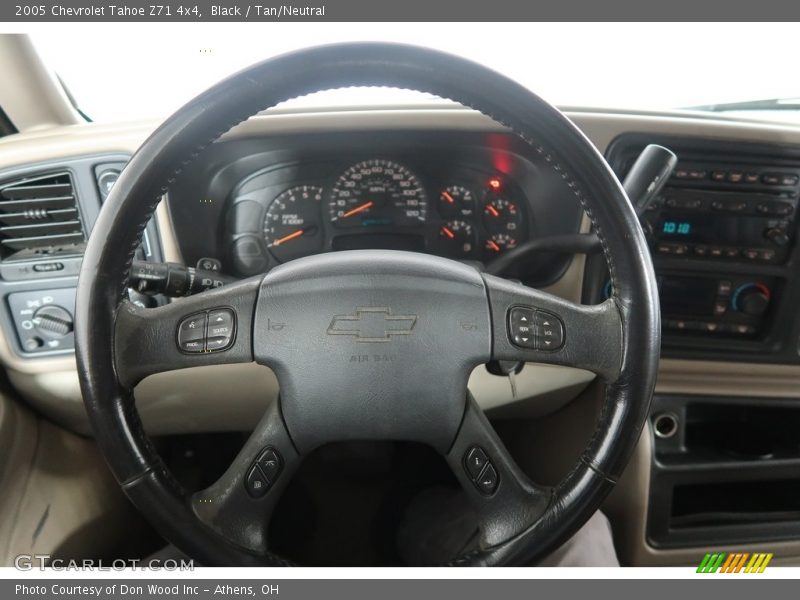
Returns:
point(372, 324)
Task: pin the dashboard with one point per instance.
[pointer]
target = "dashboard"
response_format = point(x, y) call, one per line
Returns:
point(723, 238)
point(452, 210)
point(467, 196)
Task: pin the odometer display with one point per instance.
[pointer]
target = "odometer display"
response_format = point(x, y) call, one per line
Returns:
point(292, 223)
point(376, 193)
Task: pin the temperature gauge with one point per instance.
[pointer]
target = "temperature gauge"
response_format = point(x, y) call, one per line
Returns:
point(456, 239)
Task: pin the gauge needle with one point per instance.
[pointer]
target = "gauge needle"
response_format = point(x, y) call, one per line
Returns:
point(493, 210)
point(448, 233)
point(493, 246)
point(357, 209)
point(288, 237)
point(448, 197)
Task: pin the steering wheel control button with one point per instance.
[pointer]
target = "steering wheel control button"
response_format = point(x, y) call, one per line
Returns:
point(476, 460)
point(549, 331)
point(257, 485)
point(221, 324)
point(269, 461)
point(481, 470)
point(535, 329)
point(487, 482)
point(192, 333)
point(211, 331)
point(263, 472)
point(521, 327)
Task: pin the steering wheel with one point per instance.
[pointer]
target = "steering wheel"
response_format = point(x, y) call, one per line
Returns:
point(366, 345)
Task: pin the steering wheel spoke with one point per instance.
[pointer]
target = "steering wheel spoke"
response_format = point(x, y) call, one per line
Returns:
point(503, 497)
point(241, 502)
point(213, 327)
point(534, 326)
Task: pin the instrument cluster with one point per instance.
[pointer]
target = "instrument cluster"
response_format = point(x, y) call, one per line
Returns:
point(378, 203)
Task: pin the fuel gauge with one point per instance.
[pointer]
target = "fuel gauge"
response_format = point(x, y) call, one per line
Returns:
point(456, 239)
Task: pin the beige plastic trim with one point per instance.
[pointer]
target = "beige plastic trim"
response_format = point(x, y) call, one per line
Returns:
point(627, 505)
point(31, 95)
point(58, 496)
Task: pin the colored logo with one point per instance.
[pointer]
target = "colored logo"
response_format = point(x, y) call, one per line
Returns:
point(736, 562)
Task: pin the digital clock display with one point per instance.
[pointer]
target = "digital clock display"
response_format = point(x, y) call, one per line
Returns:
point(676, 227)
point(699, 228)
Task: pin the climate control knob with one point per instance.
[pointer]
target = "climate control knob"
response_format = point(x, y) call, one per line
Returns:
point(751, 299)
point(52, 321)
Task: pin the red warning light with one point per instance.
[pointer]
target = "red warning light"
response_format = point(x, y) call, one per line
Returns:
point(495, 184)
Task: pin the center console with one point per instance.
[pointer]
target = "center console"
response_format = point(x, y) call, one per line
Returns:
point(723, 238)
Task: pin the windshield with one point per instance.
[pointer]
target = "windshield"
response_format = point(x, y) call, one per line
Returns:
point(128, 73)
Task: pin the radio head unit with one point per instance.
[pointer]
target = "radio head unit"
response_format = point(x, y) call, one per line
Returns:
point(721, 225)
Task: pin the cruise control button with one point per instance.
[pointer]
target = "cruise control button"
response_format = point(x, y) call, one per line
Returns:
point(475, 461)
point(257, 485)
point(192, 333)
point(270, 464)
point(549, 331)
point(487, 482)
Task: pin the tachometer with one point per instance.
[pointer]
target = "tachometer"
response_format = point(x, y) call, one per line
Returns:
point(292, 223)
point(377, 192)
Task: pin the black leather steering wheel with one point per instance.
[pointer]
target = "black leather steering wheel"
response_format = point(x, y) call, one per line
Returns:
point(422, 322)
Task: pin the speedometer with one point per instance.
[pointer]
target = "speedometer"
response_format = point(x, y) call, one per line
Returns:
point(377, 193)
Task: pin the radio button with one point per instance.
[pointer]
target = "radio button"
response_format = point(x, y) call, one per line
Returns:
point(772, 178)
point(715, 251)
point(724, 287)
point(732, 252)
point(787, 179)
point(751, 177)
point(780, 209)
point(751, 253)
point(767, 255)
point(735, 176)
point(719, 175)
point(701, 250)
point(720, 308)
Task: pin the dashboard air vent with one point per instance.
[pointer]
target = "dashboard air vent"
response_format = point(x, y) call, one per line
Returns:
point(39, 218)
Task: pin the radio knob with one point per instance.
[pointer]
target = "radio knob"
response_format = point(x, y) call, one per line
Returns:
point(777, 236)
point(52, 321)
point(751, 299)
